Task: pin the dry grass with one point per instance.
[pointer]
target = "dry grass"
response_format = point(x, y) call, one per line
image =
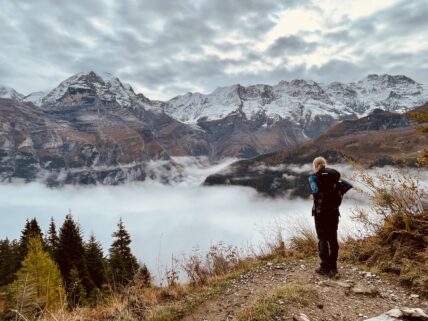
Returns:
point(398, 226)
point(267, 307)
point(219, 260)
point(304, 242)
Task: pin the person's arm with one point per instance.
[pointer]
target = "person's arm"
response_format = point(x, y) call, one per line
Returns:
point(313, 184)
point(315, 190)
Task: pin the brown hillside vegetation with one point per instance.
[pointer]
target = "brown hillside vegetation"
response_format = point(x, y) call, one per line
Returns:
point(364, 141)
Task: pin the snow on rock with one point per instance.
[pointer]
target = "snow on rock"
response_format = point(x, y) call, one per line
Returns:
point(107, 87)
point(301, 100)
point(298, 100)
point(10, 93)
point(36, 98)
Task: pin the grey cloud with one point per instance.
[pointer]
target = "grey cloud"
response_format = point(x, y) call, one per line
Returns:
point(162, 45)
point(290, 45)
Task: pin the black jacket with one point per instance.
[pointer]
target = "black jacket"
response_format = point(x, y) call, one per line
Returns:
point(325, 178)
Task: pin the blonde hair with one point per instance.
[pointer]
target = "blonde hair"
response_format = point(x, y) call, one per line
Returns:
point(318, 163)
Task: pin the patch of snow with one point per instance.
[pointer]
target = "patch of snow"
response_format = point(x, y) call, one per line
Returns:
point(106, 86)
point(10, 93)
point(35, 98)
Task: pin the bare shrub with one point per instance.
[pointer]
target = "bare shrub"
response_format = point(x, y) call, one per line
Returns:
point(219, 260)
point(397, 225)
point(195, 268)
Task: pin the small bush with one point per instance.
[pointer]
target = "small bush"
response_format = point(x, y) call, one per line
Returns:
point(219, 260)
point(397, 224)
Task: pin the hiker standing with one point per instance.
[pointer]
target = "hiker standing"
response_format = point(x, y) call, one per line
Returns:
point(327, 191)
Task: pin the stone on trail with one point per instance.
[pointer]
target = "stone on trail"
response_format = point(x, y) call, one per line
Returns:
point(365, 290)
point(301, 317)
point(414, 313)
point(336, 284)
point(396, 314)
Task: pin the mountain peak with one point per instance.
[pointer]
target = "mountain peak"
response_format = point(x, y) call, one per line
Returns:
point(104, 86)
point(388, 79)
point(10, 93)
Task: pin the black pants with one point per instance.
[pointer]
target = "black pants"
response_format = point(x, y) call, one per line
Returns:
point(326, 227)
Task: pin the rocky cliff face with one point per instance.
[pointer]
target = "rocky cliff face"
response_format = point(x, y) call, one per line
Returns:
point(93, 128)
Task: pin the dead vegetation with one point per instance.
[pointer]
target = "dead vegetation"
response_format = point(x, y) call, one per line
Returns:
point(397, 226)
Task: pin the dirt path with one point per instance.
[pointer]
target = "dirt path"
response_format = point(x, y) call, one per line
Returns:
point(335, 302)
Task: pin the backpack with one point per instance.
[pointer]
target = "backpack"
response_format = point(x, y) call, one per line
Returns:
point(332, 188)
point(335, 195)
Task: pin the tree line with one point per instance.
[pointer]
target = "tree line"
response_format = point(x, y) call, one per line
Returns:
point(44, 271)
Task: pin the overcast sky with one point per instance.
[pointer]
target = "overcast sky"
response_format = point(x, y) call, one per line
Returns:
point(167, 47)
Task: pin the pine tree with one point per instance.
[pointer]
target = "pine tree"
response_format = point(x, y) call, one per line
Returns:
point(52, 240)
point(7, 262)
point(38, 283)
point(123, 264)
point(31, 230)
point(144, 276)
point(70, 250)
point(95, 262)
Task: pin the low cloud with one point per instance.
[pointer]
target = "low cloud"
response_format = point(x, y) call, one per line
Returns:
point(162, 220)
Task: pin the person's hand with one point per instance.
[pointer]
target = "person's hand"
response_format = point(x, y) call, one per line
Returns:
point(311, 197)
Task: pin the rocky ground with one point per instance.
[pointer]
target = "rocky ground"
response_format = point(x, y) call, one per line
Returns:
point(354, 295)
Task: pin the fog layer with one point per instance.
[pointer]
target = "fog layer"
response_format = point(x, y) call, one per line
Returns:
point(162, 220)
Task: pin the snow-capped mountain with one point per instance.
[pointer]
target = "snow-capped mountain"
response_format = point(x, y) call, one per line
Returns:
point(301, 100)
point(87, 86)
point(10, 93)
point(92, 128)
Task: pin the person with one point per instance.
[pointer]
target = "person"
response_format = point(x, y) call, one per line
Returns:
point(326, 215)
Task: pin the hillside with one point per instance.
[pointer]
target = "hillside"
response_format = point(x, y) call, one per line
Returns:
point(382, 138)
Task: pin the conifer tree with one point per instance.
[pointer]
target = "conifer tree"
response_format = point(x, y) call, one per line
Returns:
point(95, 262)
point(31, 230)
point(145, 276)
point(52, 240)
point(71, 250)
point(38, 283)
point(123, 264)
point(7, 262)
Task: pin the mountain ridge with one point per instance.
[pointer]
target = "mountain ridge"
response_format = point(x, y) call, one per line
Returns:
point(92, 128)
point(312, 106)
